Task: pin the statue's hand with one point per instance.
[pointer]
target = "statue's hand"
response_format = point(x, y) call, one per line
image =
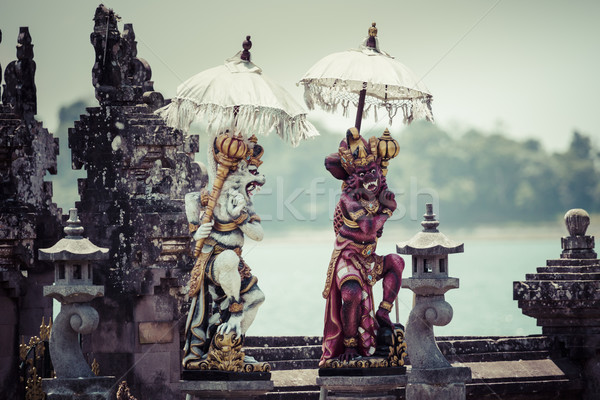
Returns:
point(388, 200)
point(233, 324)
point(203, 231)
point(235, 203)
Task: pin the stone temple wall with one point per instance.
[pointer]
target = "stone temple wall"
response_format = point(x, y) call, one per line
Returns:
point(138, 172)
point(28, 218)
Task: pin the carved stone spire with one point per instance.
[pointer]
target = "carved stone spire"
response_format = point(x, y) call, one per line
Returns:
point(20, 91)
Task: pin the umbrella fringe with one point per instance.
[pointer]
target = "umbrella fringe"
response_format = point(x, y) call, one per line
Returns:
point(330, 98)
point(245, 119)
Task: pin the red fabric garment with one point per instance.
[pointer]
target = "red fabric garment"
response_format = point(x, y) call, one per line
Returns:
point(346, 261)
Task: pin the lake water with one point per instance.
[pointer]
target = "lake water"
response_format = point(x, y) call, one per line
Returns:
point(291, 272)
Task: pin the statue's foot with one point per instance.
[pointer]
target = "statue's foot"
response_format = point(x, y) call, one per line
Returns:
point(385, 333)
point(250, 360)
point(349, 355)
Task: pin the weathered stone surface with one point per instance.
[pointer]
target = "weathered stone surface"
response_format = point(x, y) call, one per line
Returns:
point(28, 218)
point(225, 389)
point(564, 297)
point(138, 172)
point(93, 388)
point(430, 281)
point(67, 359)
point(156, 332)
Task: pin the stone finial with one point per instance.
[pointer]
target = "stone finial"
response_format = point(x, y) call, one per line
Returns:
point(577, 245)
point(73, 230)
point(577, 221)
point(430, 224)
point(247, 45)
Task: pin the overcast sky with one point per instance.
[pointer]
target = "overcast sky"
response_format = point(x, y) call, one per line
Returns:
point(529, 68)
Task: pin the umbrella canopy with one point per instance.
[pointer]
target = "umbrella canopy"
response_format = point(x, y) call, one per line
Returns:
point(238, 97)
point(339, 78)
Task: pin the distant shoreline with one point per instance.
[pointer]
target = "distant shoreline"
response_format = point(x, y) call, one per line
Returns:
point(404, 231)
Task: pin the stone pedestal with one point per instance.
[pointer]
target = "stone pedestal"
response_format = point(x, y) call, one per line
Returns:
point(439, 383)
point(225, 389)
point(360, 387)
point(94, 388)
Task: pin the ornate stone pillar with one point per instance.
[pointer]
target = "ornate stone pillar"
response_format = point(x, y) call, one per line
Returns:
point(432, 376)
point(73, 287)
point(564, 297)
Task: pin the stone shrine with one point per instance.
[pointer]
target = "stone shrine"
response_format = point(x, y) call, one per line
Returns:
point(564, 297)
point(28, 218)
point(132, 202)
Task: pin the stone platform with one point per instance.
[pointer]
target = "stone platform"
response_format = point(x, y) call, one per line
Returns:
point(225, 389)
point(509, 368)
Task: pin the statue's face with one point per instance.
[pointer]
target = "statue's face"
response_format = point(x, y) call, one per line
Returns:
point(246, 179)
point(369, 177)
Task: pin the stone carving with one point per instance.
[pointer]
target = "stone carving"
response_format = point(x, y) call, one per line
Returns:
point(225, 295)
point(118, 74)
point(106, 40)
point(352, 328)
point(564, 295)
point(74, 288)
point(28, 218)
point(137, 71)
point(132, 202)
point(432, 376)
point(20, 91)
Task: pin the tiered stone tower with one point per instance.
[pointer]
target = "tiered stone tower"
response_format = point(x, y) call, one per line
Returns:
point(28, 218)
point(138, 172)
point(564, 297)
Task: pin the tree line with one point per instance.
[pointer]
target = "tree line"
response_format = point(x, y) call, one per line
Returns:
point(474, 178)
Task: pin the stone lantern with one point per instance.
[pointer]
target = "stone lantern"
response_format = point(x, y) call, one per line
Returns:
point(73, 287)
point(431, 376)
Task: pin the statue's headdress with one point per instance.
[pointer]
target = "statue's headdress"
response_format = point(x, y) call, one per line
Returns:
point(355, 151)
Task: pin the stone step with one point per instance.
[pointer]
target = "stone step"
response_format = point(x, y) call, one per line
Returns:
point(541, 389)
point(284, 353)
point(282, 341)
point(565, 262)
point(500, 356)
point(569, 269)
point(291, 395)
point(286, 365)
point(564, 276)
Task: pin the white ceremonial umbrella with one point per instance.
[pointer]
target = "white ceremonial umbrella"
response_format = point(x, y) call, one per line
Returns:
point(238, 97)
point(366, 75)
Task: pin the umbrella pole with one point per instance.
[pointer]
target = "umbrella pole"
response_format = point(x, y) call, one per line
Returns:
point(360, 108)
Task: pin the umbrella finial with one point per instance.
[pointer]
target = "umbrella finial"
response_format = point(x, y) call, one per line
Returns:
point(247, 45)
point(372, 35)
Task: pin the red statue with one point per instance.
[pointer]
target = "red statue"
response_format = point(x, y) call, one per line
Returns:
point(352, 327)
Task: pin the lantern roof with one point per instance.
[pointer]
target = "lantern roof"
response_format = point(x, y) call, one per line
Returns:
point(430, 241)
point(73, 247)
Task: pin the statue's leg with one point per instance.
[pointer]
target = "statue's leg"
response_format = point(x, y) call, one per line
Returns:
point(225, 272)
point(351, 292)
point(393, 265)
point(252, 300)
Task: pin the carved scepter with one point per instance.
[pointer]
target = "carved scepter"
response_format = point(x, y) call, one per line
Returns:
point(229, 151)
